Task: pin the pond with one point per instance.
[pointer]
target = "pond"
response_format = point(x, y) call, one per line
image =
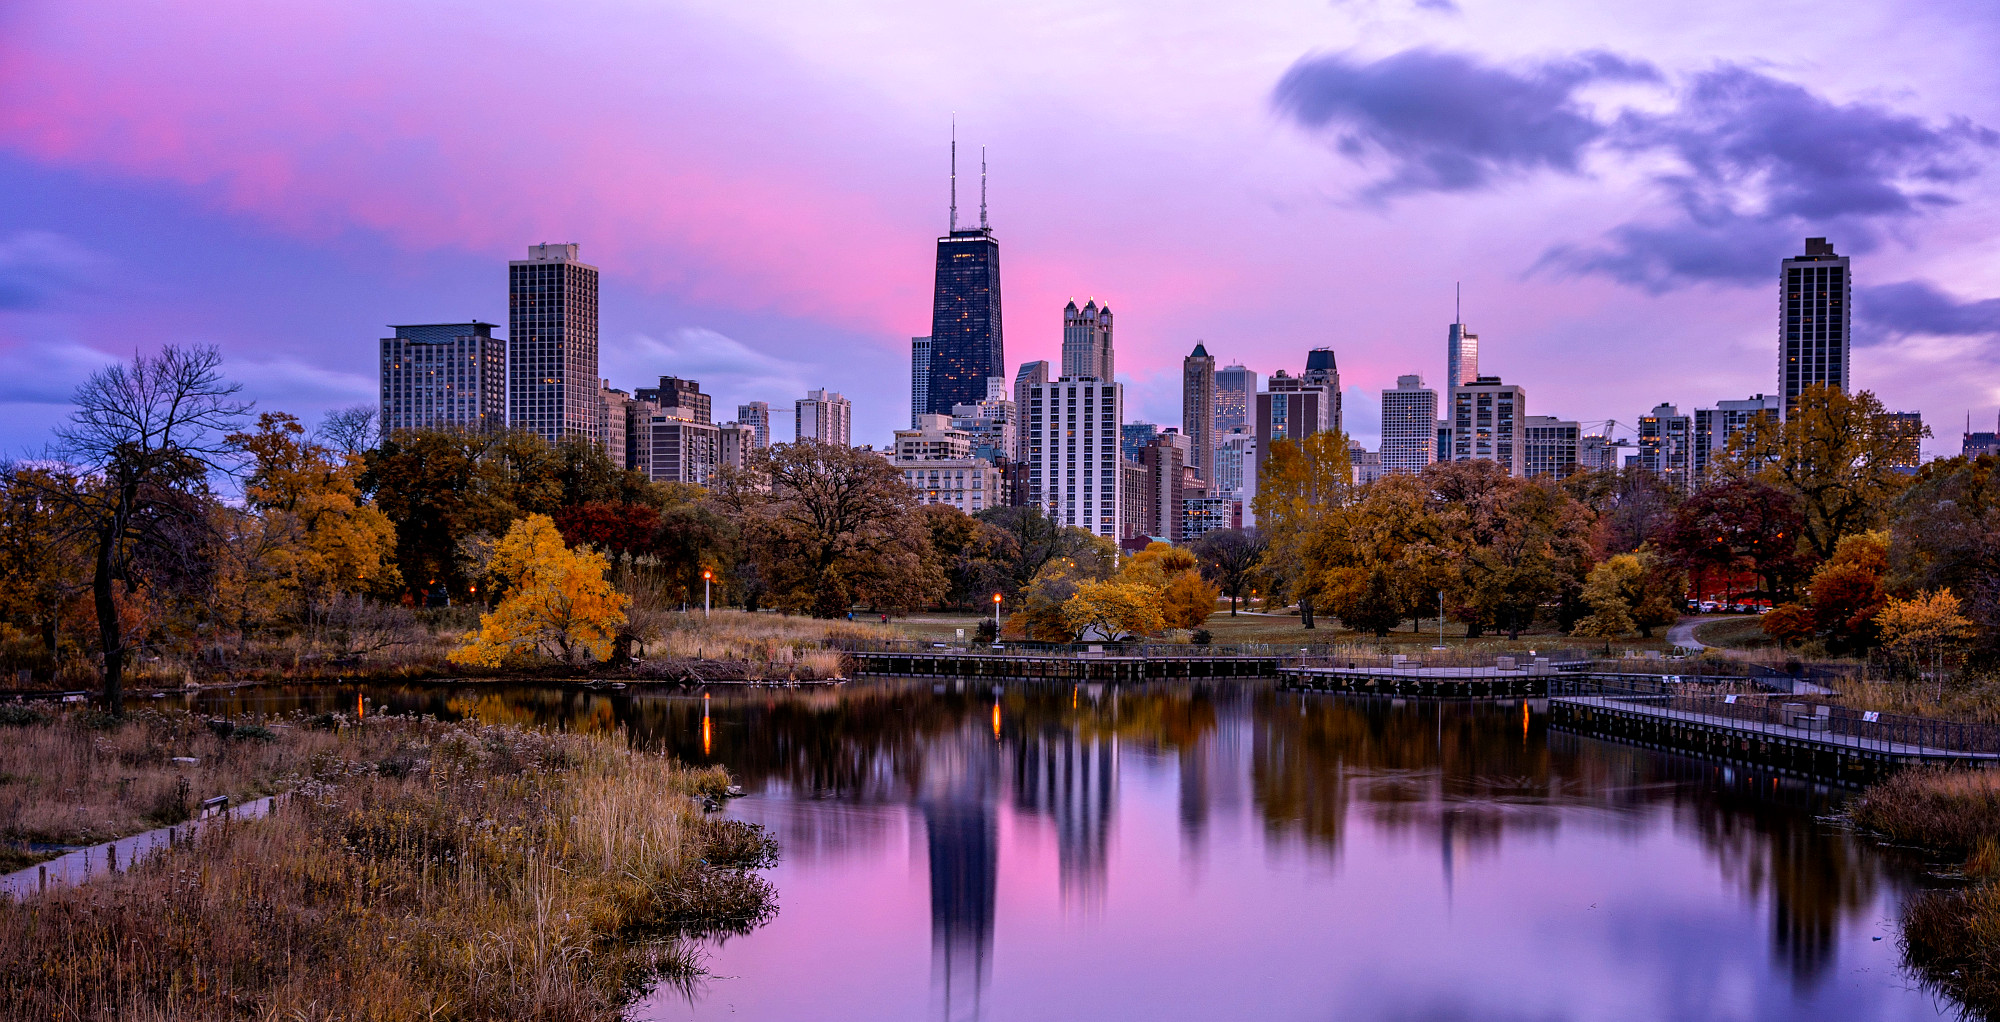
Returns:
point(1227, 850)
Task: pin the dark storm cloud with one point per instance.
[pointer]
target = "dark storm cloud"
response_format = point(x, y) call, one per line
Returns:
point(1890, 311)
point(1761, 163)
point(1447, 122)
point(1757, 163)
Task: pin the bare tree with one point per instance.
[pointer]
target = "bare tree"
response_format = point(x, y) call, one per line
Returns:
point(1229, 558)
point(351, 431)
point(143, 437)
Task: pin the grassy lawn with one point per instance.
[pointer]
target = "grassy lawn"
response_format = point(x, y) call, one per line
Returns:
point(1737, 631)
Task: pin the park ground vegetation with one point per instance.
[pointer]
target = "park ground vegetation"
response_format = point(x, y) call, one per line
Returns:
point(416, 869)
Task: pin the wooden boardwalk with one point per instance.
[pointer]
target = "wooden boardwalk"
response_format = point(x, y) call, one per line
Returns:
point(1421, 682)
point(961, 663)
point(1806, 751)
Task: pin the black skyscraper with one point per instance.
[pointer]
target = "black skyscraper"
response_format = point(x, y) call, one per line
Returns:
point(965, 315)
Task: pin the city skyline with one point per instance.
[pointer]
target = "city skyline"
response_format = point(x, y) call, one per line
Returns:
point(1563, 238)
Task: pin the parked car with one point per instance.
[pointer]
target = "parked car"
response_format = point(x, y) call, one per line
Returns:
point(1739, 608)
point(1708, 606)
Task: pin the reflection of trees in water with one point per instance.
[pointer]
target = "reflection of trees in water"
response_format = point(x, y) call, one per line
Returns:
point(1768, 838)
point(1462, 774)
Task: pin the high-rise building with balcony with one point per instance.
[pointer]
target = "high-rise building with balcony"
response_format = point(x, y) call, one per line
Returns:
point(1488, 423)
point(1815, 293)
point(1074, 466)
point(552, 344)
point(444, 375)
point(1409, 426)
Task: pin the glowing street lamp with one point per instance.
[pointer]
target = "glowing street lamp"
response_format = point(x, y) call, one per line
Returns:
point(706, 575)
point(996, 617)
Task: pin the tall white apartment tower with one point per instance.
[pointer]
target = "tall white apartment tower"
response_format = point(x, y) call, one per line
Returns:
point(1086, 348)
point(1814, 297)
point(552, 344)
point(825, 416)
point(920, 378)
point(1072, 441)
point(1409, 426)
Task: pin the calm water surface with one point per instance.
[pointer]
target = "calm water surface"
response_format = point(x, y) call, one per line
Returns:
point(1226, 851)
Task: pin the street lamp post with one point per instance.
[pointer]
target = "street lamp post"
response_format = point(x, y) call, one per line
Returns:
point(996, 617)
point(706, 575)
point(1440, 619)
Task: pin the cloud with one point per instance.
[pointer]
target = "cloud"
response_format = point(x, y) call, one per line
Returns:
point(1445, 121)
point(1758, 163)
point(36, 266)
point(1917, 307)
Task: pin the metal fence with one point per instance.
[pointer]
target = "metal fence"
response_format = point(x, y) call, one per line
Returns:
point(1704, 699)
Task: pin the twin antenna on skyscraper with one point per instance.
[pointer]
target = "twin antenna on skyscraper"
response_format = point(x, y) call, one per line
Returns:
point(954, 179)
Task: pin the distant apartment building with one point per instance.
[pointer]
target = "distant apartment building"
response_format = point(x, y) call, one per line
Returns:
point(1198, 409)
point(1235, 399)
point(1666, 445)
point(1815, 310)
point(936, 461)
point(1409, 426)
point(920, 378)
point(444, 376)
point(1552, 446)
point(1139, 501)
point(1133, 438)
point(1075, 472)
point(680, 398)
point(992, 422)
point(1026, 377)
point(1364, 465)
point(1598, 453)
point(1171, 480)
point(757, 416)
point(552, 344)
point(614, 434)
point(1905, 433)
point(1203, 515)
point(1488, 423)
point(1974, 445)
point(1713, 427)
point(824, 416)
point(676, 450)
point(1291, 408)
point(933, 439)
point(1235, 462)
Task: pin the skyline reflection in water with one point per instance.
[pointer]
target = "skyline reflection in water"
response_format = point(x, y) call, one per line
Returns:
point(1204, 851)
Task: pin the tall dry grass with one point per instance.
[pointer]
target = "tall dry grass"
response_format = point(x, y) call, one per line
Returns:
point(80, 777)
point(770, 645)
point(497, 873)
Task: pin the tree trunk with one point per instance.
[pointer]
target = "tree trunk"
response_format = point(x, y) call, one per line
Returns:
point(1232, 604)
point(109, 634)
point(1306, 611)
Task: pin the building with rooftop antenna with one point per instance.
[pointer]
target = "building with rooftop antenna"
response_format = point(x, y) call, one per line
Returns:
point(966, 340)
point(1461, 355)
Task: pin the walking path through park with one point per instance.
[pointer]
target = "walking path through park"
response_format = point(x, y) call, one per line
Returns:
point(1682, 633)
point(80, 865)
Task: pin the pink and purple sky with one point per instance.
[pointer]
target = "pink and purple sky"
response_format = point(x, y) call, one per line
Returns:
point(762, 185)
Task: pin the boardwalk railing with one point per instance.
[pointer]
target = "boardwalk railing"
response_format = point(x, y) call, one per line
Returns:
point(1765, 711)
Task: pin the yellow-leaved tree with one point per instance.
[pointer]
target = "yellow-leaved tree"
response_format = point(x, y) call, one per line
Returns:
point(556, 604)
point(1926, 631)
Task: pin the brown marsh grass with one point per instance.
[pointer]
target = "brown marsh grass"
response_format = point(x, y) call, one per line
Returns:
point(81, 777)
point(495, 873)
